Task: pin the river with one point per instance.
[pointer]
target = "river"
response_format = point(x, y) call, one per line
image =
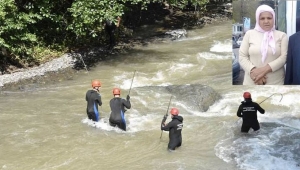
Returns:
point(46, 127)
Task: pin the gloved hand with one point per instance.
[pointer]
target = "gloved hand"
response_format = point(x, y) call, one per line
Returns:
point(128, 97)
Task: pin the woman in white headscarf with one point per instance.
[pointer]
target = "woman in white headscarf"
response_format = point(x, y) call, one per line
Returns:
point(263, 51)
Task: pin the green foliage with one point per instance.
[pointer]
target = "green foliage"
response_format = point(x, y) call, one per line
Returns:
point(88, 15)
point(15, 33)
point(42, 54)
point(28, 27)
point(183, 3)
point(25, 26)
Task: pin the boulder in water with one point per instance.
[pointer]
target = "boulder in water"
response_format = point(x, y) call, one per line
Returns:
point(195, 96)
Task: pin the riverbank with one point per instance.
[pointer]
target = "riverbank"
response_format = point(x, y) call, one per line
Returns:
point(66, 66)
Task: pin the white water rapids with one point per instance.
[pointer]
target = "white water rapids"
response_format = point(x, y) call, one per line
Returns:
point(46, 127)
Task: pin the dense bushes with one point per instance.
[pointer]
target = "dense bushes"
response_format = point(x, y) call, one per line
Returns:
point(32, 31)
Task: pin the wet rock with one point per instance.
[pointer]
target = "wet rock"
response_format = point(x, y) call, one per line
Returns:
point(176, 34)
point(196, 96)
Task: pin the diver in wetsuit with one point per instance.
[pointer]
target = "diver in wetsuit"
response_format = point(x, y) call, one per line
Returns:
point(117, 106)
point(174, 127)
point(248, 111)
point(93, 99)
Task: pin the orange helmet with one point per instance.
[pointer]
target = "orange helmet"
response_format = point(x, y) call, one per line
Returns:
point(174, 111)
point(96, 83)
point(247, 95)
point(116, 91)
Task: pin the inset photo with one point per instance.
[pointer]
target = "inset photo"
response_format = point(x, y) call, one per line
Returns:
point(264, 42)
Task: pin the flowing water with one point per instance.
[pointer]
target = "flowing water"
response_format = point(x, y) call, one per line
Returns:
point(46, 127)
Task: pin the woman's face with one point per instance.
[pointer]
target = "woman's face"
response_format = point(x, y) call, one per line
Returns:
point(266, 21)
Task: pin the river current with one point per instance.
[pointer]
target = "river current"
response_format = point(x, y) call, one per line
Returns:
point(46, 127)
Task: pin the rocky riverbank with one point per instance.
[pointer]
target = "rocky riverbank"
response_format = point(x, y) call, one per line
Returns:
point(66, 66)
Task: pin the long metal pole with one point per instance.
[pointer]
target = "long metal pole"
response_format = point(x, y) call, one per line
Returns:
point(131, 82)
point(271, 96)
point(166, 115)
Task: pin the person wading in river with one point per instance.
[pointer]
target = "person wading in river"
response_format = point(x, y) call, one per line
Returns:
point(248, 111)
point(117, 106)
point(93, 99)
point(174, 127)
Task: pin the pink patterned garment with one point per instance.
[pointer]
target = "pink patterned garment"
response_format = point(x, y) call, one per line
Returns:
point(268, 39)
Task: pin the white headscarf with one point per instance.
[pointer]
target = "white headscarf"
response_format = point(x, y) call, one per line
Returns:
point(268, 39)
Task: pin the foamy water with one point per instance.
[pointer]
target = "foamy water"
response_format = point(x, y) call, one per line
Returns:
point(212, 56)
point(222, 46)
point(277, 144)
point(47, 128)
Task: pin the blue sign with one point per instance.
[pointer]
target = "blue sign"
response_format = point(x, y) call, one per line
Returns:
point(247, 24)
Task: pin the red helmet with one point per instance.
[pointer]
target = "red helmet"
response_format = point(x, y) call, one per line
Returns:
point(174, 111)
point(116, 91)
point(247, 95)
point(96, 83)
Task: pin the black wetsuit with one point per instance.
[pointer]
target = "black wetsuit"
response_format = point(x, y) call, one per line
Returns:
point(248, 111)
point(93, 100)
point(117, 117)
point(110, 28)
point(174, 127)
